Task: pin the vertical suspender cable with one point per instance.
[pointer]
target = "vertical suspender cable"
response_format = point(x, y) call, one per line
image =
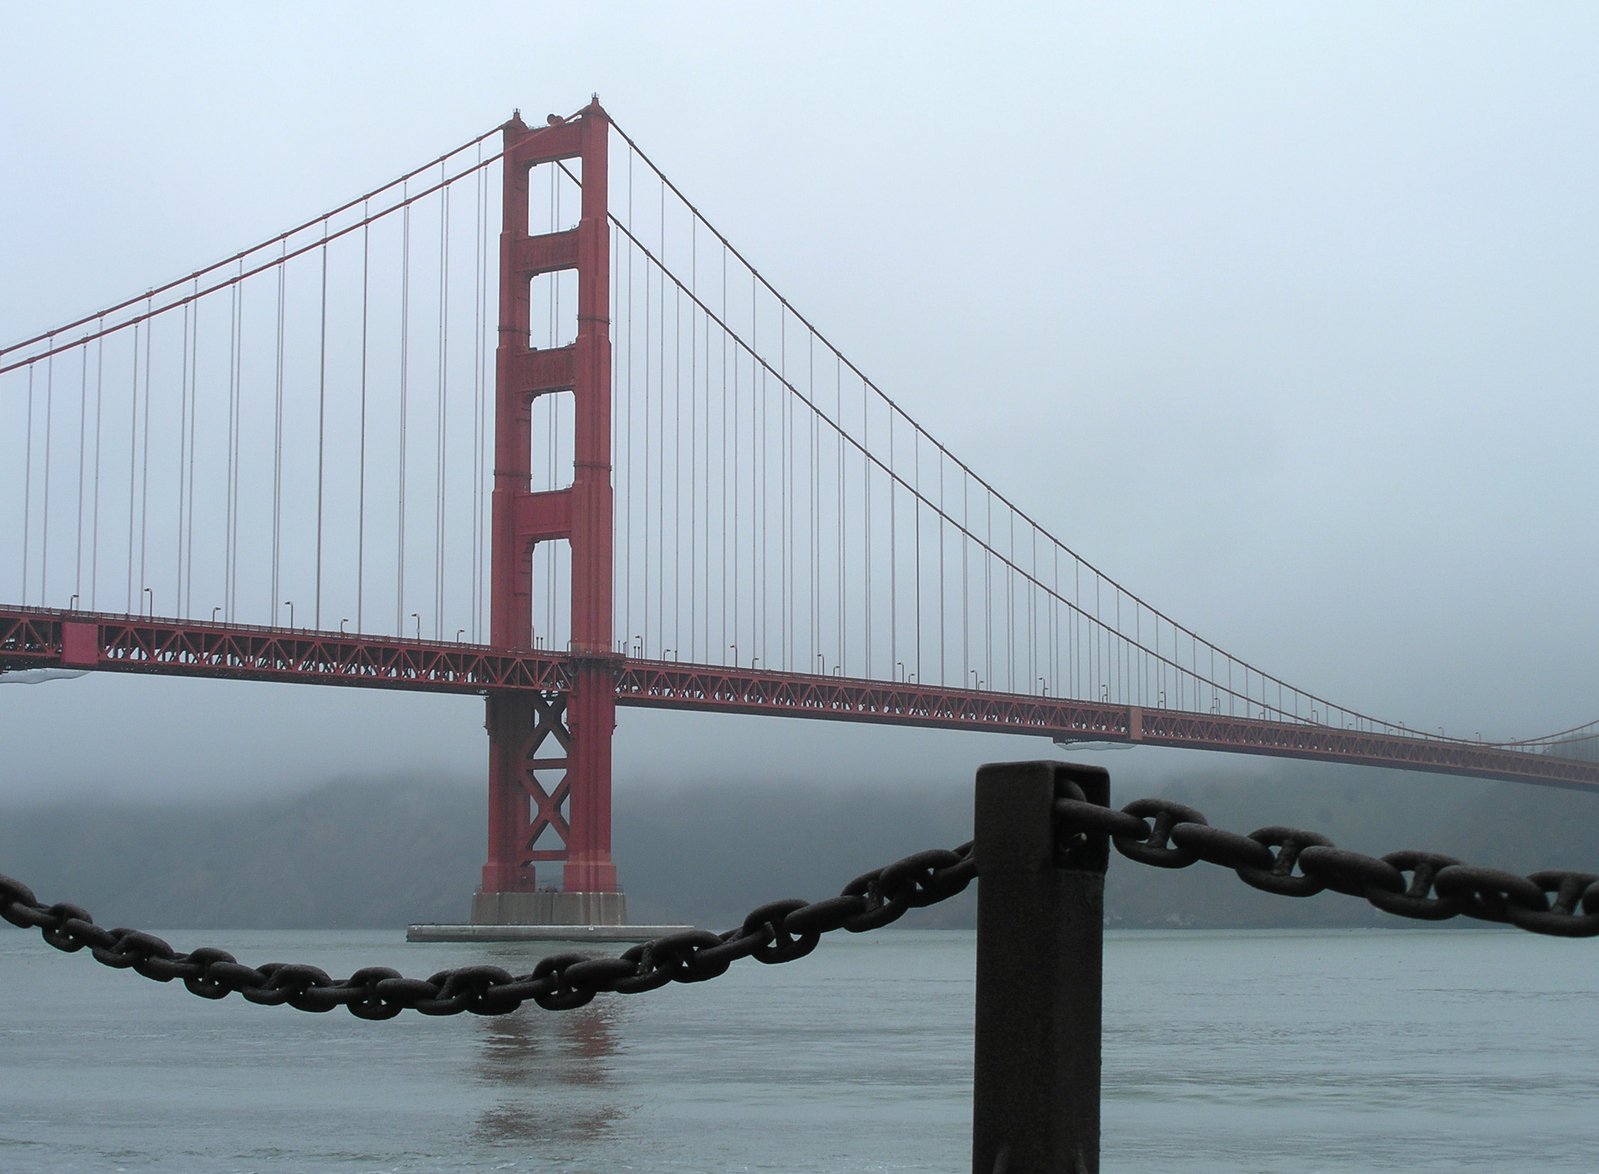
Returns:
point(916, 516)
point(618, 573)
point(183, 429)
point(838, 465)
point(866, 488)
point(1079, 684)
point(94, 521)
point(943, 615)
point(321, 427)
point(360, 507)
point(693, 439)
point(236, 456)
point(627, 415)
point(732, 644)
point(703, 385)
point(812, 570)
point(677, 472)
point(1054, 619)
point(649, 484)
point(405, 352)
point(194, 421)
point(277, 452)
point(477, 397)
point(660, 501)
point(27, 486)
point(893, 553)
point(1032, 615)
point(988, 589)
point(966, 559)
point(1010, 604)
point(785, 500)
point(144, 466)
point(442, 461)
point(49, 417)
point(83, 416)
point(758, 558)
point(133, 454)
point(654, 526)
point(233, 426)
point(722, 501)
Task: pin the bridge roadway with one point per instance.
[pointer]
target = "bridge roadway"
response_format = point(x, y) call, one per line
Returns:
point(51, 638)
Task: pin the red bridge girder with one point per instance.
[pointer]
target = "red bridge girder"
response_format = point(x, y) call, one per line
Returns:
point(681, 686)
point(32, 638)
point(39, 638)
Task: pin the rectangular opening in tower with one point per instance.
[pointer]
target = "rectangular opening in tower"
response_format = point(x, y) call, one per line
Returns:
point(551, 443)
point(552, 594)
point(554, 196)
point(552, 309)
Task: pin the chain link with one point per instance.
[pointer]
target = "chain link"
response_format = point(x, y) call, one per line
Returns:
point(1293, 862)
point(779, 931)
point(1283, 860)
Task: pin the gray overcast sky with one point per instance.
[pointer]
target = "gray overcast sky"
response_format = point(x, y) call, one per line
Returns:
point(1284, 315)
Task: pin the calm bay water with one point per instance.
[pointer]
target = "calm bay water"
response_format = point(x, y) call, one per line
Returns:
point(1422, 1049)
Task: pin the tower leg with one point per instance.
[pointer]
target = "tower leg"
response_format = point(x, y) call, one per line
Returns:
point(589, 867)
point(550, 775)
point(510, 728)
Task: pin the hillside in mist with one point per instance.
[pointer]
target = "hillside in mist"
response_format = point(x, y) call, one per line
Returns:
point(385, 852)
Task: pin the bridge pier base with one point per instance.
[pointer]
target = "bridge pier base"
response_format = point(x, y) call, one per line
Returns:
point(547, 915)
point(549, 909)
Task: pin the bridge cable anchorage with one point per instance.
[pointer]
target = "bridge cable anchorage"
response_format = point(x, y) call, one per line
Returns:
point(1158, 832)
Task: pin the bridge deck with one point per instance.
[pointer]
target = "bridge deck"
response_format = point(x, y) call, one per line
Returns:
point(49, 638)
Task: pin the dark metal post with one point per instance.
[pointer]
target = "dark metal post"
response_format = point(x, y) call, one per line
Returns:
point(1040, 937)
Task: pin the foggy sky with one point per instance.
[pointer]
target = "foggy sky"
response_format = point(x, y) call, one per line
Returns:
point(1282, 315)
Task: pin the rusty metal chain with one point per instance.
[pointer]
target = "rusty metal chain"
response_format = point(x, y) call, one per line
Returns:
point(780, 931)
point(1295, 863)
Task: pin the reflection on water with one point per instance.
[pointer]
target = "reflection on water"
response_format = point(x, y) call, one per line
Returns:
point(544, 1123)
point(1330, 1053)
point(534, 1057)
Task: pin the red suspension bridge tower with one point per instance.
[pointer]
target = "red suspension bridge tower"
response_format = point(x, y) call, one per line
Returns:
point(551, 752)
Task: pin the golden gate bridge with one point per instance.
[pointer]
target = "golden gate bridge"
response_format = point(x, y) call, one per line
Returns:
point(523, 423)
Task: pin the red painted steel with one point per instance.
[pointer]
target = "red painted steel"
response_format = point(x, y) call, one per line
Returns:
point(37, 638)
point(524, 681)
point(668, 685)
point(527, 790)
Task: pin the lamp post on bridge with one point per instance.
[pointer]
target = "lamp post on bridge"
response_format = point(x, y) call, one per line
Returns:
point(289, 603)
point(151, 599)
